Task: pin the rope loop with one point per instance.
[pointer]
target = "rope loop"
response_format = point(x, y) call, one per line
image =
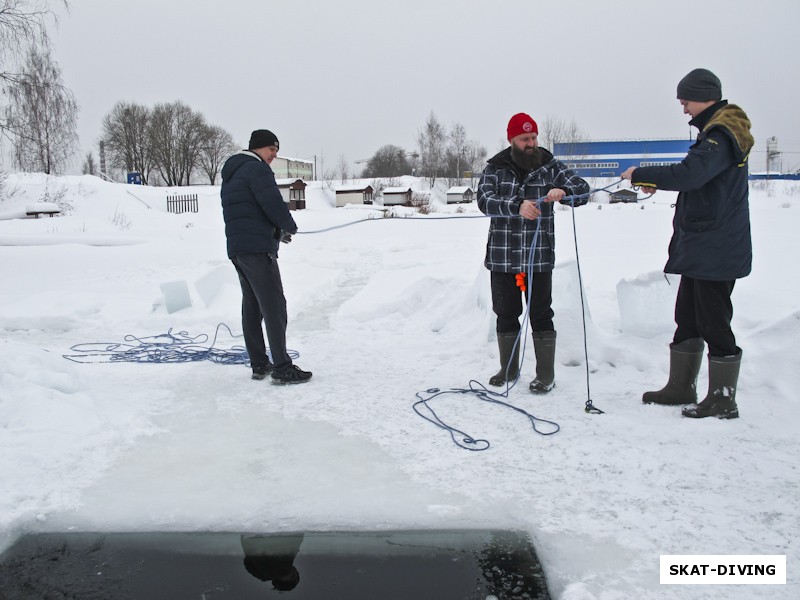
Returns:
point(166, 347)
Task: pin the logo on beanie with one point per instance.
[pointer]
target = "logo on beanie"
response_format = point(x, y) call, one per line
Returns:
point(519, 124)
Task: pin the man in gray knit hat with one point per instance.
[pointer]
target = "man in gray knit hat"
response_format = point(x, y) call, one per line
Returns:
point(710, 246)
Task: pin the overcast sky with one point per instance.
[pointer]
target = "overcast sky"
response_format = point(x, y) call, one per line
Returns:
point(339, 78)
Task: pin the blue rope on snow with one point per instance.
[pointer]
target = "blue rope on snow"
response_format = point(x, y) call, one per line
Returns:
point(480, 391)
point(166, 347)
point(467, 442)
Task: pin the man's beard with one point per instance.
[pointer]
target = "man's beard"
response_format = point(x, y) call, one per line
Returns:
point(528, 161)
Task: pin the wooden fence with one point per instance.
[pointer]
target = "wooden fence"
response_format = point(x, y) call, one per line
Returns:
point(182, 203)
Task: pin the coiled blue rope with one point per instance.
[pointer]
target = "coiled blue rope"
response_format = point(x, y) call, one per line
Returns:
point(169, 347)
point(478, 390)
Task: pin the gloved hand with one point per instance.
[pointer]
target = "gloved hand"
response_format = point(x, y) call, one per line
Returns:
point(282, 236)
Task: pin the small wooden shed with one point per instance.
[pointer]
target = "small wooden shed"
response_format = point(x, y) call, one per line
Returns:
point(460, 194)
point(354, 194)
point(394, 196)
point(623, 196)
point(293, 192)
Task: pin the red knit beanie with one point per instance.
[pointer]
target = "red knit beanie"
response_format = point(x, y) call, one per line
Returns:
point(521, 123)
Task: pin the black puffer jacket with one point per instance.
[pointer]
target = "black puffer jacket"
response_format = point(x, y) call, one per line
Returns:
point(711, 227)
point(252, 206)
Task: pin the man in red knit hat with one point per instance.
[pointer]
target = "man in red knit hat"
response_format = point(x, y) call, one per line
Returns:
point(512, 184)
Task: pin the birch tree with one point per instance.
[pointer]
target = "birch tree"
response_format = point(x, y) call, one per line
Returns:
point(432, 142)
point(41, 116)
point(23, 25)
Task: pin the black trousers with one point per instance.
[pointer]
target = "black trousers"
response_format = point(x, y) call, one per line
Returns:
point(508, 301)
point(703, 309)
point(262, 298)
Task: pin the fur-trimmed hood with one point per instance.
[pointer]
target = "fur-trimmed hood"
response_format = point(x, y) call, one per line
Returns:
point(734, 120)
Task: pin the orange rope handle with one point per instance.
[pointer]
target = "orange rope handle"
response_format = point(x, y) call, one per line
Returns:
point(520, 277)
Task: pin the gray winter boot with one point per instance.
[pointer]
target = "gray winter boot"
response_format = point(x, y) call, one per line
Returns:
point(544, 346)
point(684, 365)
point(720, 402)
point(505, 343)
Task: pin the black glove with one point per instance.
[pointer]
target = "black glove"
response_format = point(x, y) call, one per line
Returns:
point(282, 236)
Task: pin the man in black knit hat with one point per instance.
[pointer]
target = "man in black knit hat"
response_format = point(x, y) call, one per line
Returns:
point(710, 246)
point(256, 220)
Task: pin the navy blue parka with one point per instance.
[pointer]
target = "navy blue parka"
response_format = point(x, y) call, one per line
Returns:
point(254, 211)
point(711, 226)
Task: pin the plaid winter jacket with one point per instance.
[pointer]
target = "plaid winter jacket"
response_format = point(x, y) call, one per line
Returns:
point(500, 193)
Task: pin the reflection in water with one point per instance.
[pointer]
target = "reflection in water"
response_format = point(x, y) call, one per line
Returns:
point(385, 565)
point(271, 558)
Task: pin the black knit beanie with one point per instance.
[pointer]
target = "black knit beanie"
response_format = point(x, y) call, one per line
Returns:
point(700, 85)
point(262, 138)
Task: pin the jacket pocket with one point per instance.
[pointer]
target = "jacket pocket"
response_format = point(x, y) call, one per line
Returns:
point(700, 211)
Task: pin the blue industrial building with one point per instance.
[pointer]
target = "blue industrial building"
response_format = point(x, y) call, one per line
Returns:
point(611, 158)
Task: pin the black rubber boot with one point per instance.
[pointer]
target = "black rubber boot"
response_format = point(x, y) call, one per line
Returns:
point(544, 346)
point(509, 359)
point(684, 365)
point(720, 402)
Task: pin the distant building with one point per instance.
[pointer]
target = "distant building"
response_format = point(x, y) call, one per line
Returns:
point(460, 194)
point(623, 196)
point(611, 158)
point(293, 192)
point(784, 176)
point(353, 194)
point(397, 196)
point(285, 167)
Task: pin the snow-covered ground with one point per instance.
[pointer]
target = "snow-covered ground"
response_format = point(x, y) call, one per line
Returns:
point(379, 311)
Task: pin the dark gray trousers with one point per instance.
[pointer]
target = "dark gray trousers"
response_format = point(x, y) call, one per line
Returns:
point(508, 305)
point(262, 298)
point(703, 309)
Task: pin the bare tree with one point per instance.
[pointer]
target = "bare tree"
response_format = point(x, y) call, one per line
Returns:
point(23, 25)
point(176, 135)
point(476, 161)
point(89, 165)
point(432, 140)
point(343, 169)
point(217, 146)
point(456, 154)
point(41, 116)
point(554, 130)
point(388, 161)
point(126, 137)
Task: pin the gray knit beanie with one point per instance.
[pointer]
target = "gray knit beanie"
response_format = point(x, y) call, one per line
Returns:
point(700, 85)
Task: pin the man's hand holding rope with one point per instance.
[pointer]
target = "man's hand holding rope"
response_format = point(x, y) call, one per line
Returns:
point(529, 209)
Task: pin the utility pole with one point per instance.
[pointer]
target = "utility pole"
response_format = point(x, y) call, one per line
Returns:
point(103, 159)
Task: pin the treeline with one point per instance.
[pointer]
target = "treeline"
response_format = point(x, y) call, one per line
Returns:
point(169, 142)
point(440, 153)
